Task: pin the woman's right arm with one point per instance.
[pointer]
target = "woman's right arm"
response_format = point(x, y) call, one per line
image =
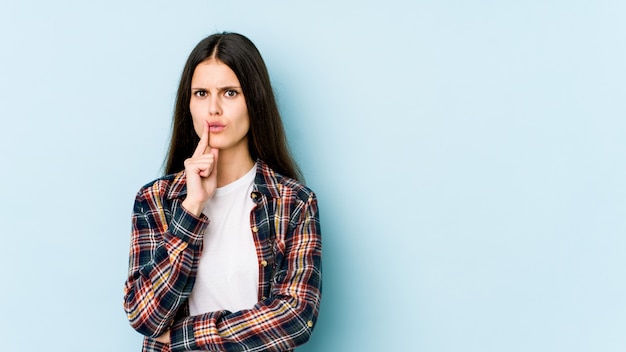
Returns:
point(165, 244)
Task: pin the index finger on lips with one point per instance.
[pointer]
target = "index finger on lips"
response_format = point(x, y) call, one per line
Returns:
point(204, 140)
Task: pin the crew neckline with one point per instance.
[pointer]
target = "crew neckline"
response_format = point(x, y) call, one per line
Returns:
point(244, 180)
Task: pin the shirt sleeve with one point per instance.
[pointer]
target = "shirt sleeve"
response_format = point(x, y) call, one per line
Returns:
point(278, 323)
point(165, 244)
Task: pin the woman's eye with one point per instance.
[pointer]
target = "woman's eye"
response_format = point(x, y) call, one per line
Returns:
point(200, 94)
point(231, 93)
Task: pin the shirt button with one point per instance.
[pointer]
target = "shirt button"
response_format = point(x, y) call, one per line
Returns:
point(255, 229)
point(263, 263)
point(256, 197)
point(309, 323)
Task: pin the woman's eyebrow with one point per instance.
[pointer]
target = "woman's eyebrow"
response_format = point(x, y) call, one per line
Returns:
point(219, 88)
point(228, 87)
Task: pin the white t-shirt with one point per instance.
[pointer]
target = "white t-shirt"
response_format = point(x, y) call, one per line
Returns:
point(228, 272)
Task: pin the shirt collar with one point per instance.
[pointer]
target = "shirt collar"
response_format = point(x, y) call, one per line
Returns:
point(266, 180)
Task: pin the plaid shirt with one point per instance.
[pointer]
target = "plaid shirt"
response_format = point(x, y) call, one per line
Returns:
point(165, 249)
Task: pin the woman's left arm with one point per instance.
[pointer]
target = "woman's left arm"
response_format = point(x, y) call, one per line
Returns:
point(278, 323)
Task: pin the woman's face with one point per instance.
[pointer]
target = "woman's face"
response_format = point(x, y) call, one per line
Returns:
point(216, 97)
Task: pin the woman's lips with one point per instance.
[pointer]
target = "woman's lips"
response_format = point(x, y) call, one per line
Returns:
point(216, 127)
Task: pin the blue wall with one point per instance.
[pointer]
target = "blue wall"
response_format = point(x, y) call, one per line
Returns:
point(468, 157)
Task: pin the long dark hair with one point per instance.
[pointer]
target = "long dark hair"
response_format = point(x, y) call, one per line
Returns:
point(266, 136)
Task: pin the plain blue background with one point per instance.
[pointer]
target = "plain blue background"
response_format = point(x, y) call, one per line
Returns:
point(468, 157)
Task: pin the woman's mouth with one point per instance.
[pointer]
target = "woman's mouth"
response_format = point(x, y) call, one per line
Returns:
point(216, 126)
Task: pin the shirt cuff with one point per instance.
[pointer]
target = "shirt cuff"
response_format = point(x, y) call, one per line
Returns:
point(198, 332)
point(187, 226)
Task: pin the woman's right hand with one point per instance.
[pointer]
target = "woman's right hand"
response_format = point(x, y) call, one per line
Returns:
point(201, 171)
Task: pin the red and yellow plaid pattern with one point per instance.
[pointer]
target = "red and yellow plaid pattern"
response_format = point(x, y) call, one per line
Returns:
point(166, 244)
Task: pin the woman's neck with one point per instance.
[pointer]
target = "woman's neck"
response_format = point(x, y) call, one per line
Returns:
point(232, 165)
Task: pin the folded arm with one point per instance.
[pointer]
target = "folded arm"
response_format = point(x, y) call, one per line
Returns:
point(282, 321)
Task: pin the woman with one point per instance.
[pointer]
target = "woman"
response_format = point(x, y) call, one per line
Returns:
point(226, 248)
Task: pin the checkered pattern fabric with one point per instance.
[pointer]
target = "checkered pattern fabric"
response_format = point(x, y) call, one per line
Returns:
point(166, 244)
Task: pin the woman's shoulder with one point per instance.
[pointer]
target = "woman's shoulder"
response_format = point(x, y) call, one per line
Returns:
point(165, 187)
point(280, 186)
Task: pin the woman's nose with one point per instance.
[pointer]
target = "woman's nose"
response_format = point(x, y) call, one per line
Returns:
point(214, 106)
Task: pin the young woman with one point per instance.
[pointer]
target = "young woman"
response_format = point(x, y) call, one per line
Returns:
point(226, 248)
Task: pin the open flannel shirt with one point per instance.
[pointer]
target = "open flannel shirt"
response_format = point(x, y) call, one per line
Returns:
point(165, 249)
